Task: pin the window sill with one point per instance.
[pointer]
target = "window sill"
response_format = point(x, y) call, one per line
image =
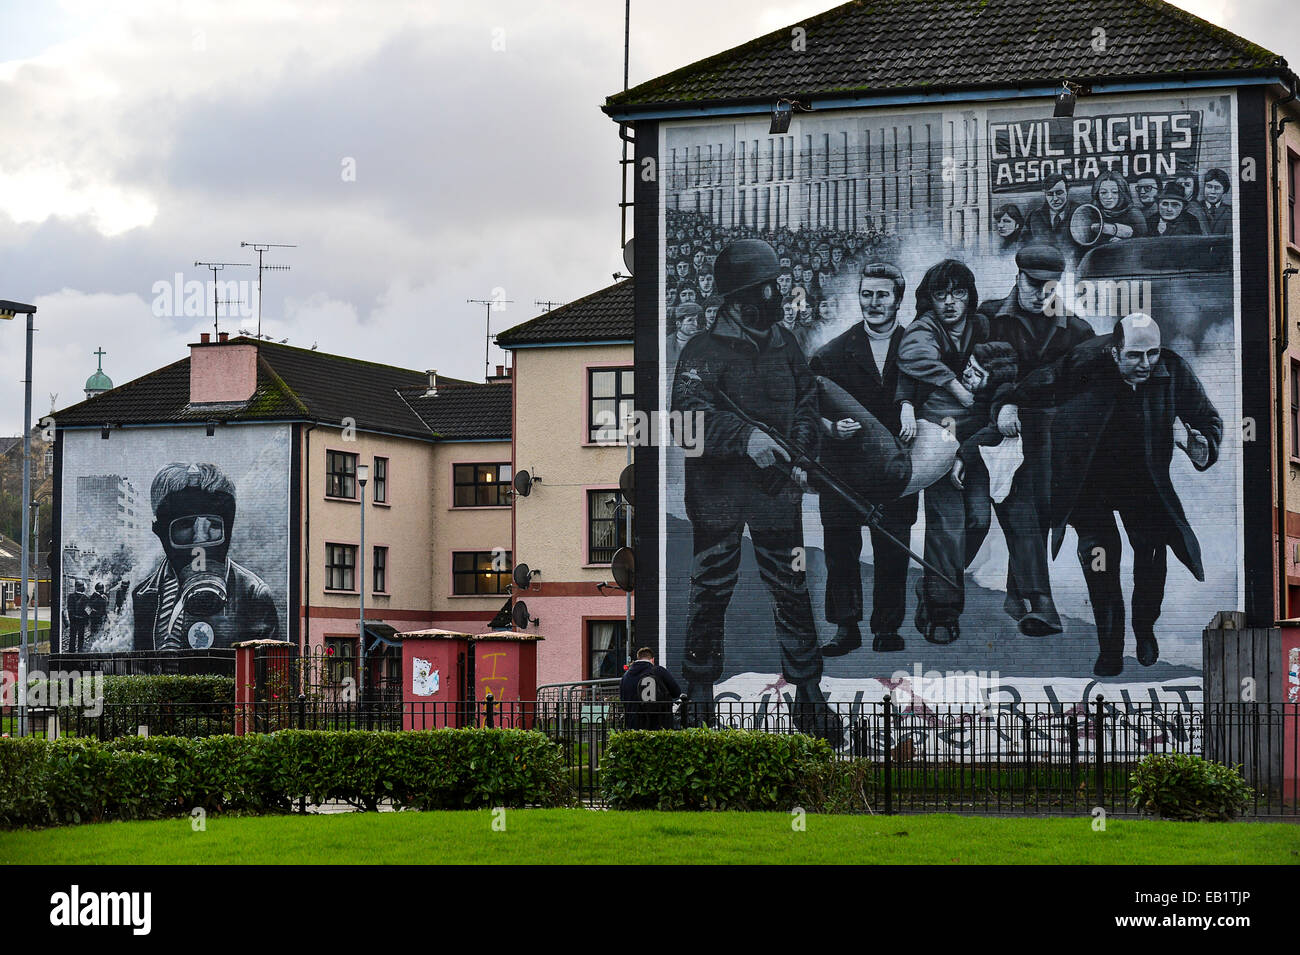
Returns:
point(477, 596)
point(342, 500)
point(381, 503)
point(480, 507)
point(604, 444)
point(342, 593)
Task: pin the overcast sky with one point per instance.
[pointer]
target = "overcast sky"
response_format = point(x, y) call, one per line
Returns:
point(143, 135)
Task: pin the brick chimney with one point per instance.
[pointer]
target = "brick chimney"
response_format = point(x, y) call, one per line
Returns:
point(222, 370)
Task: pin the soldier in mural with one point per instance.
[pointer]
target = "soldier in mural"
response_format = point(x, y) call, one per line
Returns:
point(745, 478)
point(197, 597)
point(1118, 399)
point(77, 617)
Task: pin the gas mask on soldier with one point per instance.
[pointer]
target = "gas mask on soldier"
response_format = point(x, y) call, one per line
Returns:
point(194, 528)
point(760, 306)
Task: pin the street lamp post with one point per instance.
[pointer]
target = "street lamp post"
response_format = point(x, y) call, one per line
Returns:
point(363, 474)
point(36, 585)
point(7, 311)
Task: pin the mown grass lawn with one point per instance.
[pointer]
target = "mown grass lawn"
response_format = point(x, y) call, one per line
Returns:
point(571, 836)
point(11, 630)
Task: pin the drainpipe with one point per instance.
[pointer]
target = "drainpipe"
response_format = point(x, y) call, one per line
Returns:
point(306, 538)
point(1277, 127)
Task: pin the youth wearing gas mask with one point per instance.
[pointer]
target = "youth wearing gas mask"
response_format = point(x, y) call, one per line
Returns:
point(197, 597)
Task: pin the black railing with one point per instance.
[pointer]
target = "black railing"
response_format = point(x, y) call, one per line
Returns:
point(1035, 758)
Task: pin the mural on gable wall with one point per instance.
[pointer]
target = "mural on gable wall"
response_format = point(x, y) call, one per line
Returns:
point(172, 540)
point(1002, 341)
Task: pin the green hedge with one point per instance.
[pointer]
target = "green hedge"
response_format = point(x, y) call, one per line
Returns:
point(143, 690)
point(1181, 786)
point(70, 781)
point(728, 769)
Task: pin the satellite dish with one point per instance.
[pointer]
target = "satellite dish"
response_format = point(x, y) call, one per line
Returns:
point(523, 483)
point(626, 483)
point(519, 615)
point(628, 257)
point(1085, 225)
point(623, 567)
point(522, 575)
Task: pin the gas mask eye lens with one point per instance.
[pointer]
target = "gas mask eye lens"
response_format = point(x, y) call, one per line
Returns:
point(197, 530)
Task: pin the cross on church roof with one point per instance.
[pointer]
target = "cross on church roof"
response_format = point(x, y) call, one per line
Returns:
point(101, 353)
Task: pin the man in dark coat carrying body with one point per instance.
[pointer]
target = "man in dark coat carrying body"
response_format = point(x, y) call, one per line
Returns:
point(744, 478)
point(1112, 444)
point(1034, 322)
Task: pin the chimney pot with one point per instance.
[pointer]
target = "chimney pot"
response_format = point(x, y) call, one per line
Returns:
point(204, 338)
point(433, 382)
point(501, 371)
point(223, 336)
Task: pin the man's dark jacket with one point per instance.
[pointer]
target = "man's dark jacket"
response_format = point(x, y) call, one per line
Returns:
point(648, 716)
point(249, 613)
point(874, 462)
point(848, 361)
point(1022, 329)
point(1083, 387)
point(1039, 226)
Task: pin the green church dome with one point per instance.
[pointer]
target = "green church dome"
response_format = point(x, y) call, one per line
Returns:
point(99, 382)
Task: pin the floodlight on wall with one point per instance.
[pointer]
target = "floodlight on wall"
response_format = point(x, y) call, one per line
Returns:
point(781, 114)
point(1065, 99)
point(103, 432)
point(211, 428)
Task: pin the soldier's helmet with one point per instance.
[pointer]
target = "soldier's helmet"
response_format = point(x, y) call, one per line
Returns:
point(743, 265)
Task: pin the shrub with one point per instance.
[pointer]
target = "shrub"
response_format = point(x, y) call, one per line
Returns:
point(1181, 786)
point(842, 785)
point(73, 780)
point(710, 769)
point(22, 781)
point(169, 689)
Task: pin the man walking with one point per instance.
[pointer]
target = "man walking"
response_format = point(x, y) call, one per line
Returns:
point(1112, 444)
point(1036, 325)
point(648, 691)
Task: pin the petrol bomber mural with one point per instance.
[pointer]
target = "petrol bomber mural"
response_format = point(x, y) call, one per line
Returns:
point(969, 388)
point(172, 540)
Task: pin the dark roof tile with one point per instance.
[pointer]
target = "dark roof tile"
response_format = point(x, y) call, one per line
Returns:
point(606, 315)
point(874, 46)
point(292, 384)
point(465, 411)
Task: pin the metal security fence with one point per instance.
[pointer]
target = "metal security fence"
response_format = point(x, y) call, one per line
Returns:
point(1023, 758)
